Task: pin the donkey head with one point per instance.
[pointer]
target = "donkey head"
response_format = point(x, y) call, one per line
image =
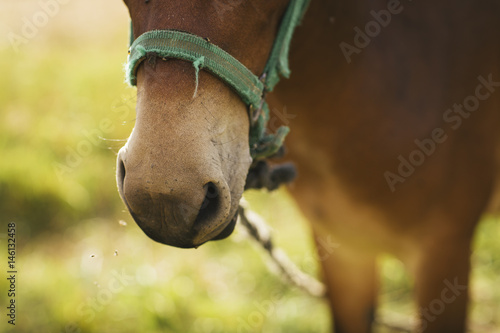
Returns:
point(183, 169)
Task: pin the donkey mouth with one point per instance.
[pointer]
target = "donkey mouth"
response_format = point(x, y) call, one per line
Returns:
point(222, 231)
point(190, 239)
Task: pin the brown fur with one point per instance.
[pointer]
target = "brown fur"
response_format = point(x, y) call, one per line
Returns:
point(352, 122)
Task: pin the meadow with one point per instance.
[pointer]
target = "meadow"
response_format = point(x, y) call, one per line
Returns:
point(82, 263)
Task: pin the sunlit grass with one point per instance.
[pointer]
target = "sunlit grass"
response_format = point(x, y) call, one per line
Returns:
point(218, 288)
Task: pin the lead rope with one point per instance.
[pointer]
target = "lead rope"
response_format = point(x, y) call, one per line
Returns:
point(258, 229)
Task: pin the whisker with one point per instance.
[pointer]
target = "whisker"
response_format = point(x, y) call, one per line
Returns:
point(208, 110)
point(223, 143)
point(117, 140)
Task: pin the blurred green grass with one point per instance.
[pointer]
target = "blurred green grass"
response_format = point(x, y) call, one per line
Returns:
point(81, 270)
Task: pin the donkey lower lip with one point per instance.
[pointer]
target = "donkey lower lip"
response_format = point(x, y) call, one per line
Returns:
point(228, 230)
point(221, 232)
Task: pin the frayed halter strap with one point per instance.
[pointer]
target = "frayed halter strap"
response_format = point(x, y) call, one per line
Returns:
point(205, 55)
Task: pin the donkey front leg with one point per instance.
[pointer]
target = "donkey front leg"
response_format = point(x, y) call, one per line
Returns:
point(351, 280)
point(441, 284)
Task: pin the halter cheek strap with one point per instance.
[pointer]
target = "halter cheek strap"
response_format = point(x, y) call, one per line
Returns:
point(205, 55)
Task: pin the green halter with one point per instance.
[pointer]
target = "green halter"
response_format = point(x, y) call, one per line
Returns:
point(205, 55)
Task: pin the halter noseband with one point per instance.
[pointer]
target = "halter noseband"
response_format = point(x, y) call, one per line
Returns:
point(251, 89)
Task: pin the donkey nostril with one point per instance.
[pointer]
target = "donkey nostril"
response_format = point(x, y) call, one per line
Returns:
point(120, 174)
point(210, 206)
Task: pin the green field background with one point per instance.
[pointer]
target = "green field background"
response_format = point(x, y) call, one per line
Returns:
point(83, 264)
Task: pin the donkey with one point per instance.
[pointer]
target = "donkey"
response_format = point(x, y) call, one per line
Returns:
point(394, 140)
